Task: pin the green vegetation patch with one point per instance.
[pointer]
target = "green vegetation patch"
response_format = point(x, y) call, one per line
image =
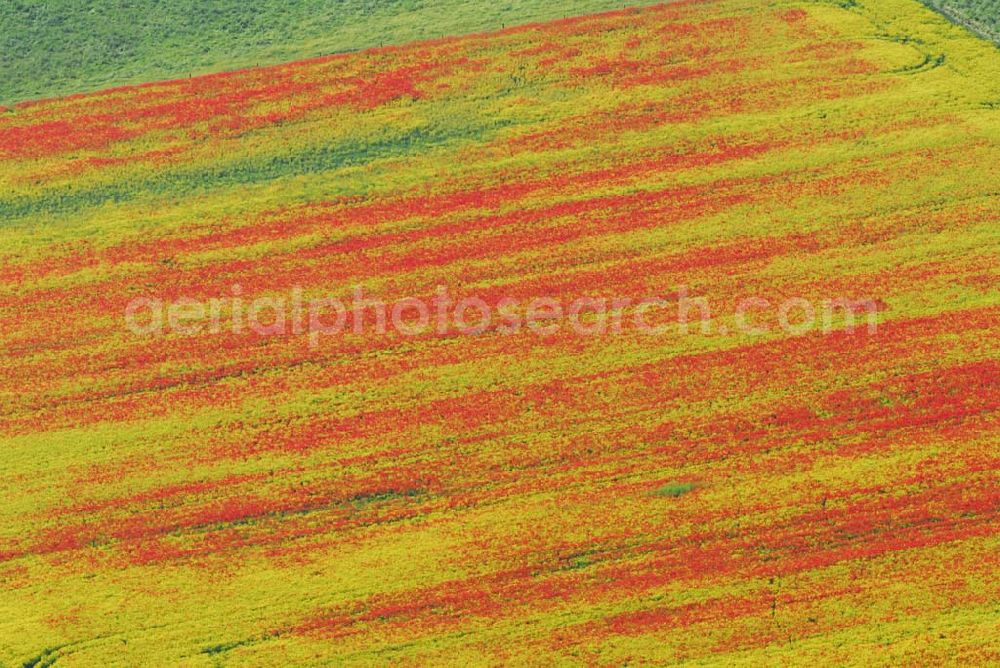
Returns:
point(980, 16)
point(675, 489)
point(50, 48)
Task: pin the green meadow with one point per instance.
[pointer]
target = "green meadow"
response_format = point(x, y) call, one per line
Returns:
point(57, 47)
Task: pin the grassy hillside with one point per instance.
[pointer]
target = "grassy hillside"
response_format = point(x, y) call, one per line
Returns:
point(55, 47)
point(980, 16)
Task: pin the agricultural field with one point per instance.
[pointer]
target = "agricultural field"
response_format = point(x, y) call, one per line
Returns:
point(115, 42)
point(199, 490)
point(980, 16)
